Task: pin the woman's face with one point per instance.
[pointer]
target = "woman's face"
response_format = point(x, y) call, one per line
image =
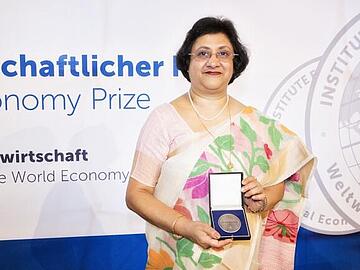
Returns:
point(210, 69)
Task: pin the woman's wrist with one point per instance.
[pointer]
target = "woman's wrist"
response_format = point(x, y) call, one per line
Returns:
point(175, 221)
point(183, 227)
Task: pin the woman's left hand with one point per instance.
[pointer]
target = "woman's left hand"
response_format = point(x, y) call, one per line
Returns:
point(254, 194)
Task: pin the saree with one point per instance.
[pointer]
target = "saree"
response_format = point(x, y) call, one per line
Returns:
point(257, 146)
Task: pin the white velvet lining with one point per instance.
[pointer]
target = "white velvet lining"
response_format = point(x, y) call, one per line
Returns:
point(225, 191)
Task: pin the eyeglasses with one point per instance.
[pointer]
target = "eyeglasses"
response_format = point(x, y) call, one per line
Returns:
point(205, 55)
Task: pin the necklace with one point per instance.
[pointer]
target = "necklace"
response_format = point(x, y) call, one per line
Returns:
point(208, 118)
point(229, 165)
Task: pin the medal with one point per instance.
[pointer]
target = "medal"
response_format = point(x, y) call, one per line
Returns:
point(229, 223)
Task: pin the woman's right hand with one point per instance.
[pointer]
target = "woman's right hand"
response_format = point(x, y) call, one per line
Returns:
point(141, 200)
point(200, 233)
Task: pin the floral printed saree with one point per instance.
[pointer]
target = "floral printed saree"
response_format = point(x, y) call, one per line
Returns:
point(257, 146)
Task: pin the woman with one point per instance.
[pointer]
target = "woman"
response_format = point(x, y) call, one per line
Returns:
point(206, 131)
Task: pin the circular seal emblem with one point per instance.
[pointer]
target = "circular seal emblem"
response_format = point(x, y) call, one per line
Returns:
point(288, 105)
point(229, 223)
point(333, 122)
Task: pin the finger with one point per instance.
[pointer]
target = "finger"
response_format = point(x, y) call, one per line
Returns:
point(254, 191)
point(258, 197)
point(204, 245)
point(212, 232)
point(219, 244)
point(248, 180)
point(206, 241)
point(247, 201)
point(249, 186)
point(253, 205)
point(225, 242)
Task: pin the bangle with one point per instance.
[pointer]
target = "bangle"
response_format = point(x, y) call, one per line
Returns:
point(174, 223)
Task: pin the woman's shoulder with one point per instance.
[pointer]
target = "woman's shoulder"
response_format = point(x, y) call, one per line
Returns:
point(238, 107)
point(263, 123)
point(249, 111)
point(167, 115)
point(162, 112)
point(179, 102)
point(161, 108)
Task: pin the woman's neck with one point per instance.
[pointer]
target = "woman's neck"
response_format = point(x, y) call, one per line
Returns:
point(208, 107)
point(204, 100)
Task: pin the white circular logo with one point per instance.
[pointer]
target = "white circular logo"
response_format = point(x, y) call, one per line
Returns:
point(288, 103)
point(333, 122)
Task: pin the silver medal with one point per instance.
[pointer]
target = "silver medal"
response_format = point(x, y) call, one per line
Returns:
point(229, 223)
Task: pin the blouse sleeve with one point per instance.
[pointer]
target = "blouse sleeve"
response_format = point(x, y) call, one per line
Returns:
point(151, 150)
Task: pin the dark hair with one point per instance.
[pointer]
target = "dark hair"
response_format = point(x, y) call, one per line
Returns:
point(212, 25)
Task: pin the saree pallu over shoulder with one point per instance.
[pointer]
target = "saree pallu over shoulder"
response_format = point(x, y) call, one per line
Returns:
point(257, 146)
